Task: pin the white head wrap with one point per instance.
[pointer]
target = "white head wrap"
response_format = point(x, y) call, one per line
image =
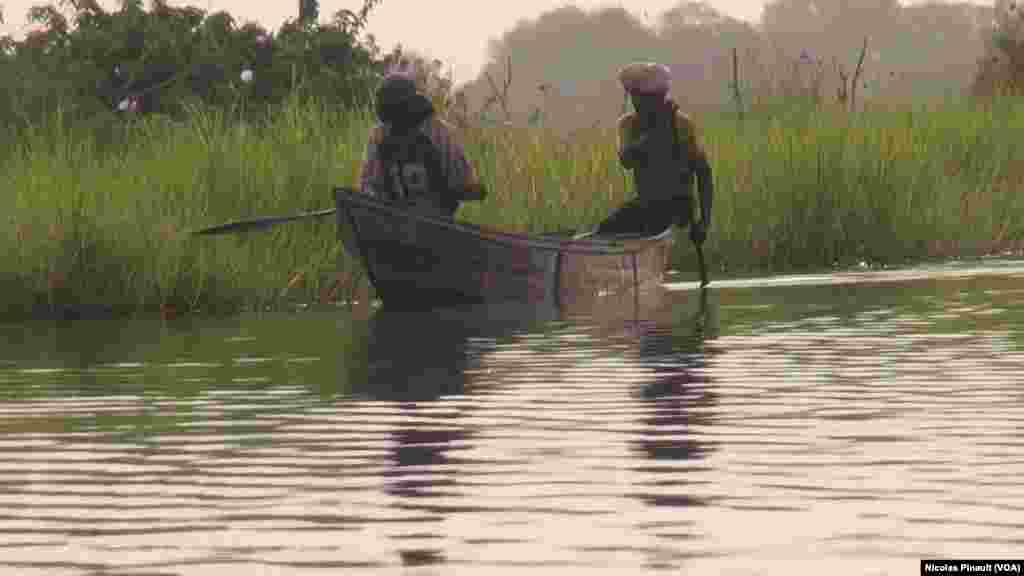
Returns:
point(646, 78)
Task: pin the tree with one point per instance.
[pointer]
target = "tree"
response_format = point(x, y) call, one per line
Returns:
point(309, 10)
point(1000, 69)
point(159, 60)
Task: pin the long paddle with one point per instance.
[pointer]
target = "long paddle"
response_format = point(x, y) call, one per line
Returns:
point(260, 223)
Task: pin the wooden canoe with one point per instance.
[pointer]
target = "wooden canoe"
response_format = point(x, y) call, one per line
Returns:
point(416, 260)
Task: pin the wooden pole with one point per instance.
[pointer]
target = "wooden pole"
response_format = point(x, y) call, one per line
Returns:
point(856, 74)
point(736, 82)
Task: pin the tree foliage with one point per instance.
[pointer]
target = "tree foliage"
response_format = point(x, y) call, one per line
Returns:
point(565, 60)
point(88, 62)
point(1001, 70)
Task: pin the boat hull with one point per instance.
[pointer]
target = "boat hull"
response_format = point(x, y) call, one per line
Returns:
point(421, 260)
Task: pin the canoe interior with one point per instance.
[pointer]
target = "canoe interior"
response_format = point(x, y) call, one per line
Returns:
point(419, 260)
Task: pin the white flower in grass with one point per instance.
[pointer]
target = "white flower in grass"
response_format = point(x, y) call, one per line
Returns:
point(129, 104)
point(246, 75)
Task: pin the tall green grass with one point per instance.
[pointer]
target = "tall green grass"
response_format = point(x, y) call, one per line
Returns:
point(797, 187)
point(88, 222)
point(110, 229)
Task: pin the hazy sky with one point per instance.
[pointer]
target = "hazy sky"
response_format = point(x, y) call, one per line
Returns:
point(455, 31)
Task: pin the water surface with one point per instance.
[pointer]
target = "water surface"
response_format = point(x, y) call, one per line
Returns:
point(854, 424)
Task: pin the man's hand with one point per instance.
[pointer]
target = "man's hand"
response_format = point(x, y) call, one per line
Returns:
point(640, 142)
point(698, 232)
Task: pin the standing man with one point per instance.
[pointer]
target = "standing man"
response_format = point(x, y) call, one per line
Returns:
point(658, 143)
point(412, 157)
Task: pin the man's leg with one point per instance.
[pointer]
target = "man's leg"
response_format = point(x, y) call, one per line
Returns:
point(630, 218)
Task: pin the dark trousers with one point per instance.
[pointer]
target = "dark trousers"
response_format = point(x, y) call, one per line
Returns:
point(648, 217)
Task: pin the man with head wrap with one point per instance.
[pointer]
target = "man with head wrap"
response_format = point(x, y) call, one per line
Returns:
point(658, 143)
point(412, 156)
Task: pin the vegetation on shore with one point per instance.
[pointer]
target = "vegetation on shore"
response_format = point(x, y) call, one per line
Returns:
point(795, 189)
point(128, 129)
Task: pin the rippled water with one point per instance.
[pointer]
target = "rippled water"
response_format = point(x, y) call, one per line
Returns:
point(823, 423)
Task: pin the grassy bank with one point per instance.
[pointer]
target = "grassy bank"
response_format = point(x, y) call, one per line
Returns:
point(100, 225)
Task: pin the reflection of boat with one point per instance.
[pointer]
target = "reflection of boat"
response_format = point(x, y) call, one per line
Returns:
point(416, 361)
point(424, 355)
point(418, 260)
point(610, 310)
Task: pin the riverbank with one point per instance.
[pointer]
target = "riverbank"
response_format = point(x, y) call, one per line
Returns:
point(91, 226)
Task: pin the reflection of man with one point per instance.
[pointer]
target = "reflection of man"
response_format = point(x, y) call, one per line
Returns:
point(679, 390)
point(419, 475)
point(659, 345)
point(415, 372)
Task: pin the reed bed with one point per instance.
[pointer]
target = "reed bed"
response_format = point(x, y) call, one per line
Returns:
point(98, 225)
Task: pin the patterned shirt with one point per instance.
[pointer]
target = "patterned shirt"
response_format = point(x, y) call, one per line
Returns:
point(455, 168)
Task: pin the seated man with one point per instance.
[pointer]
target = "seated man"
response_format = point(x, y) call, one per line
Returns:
point(659, 144)
point(412, 158)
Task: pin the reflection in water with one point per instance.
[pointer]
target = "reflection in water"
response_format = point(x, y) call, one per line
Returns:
point(865, 425)
point(414, 360)
point(674, 420)
point(678, 394)
point(417, 362)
